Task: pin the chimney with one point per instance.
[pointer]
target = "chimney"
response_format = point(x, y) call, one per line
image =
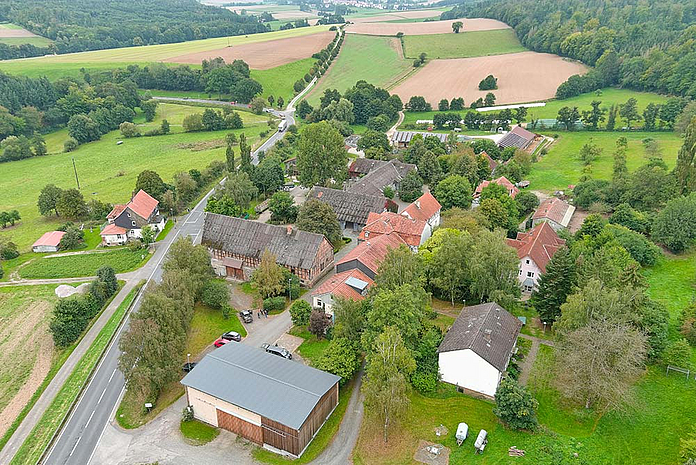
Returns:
point(418, 204)
point(289, 230)
point(319, 194)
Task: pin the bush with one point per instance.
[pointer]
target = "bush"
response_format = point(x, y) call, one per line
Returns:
point(215, 294)
point(340, 359)
point(641, 249)
point(129, 130)
point(187, 414)
point(226, 312)
point(70, 145)
point(318, 323)
point(424, 382)
point(72, 239)
point(8, 250)
point(678, 354)
point(274, 304)
point(300, 311)
point(515, 406)
point(688, 323)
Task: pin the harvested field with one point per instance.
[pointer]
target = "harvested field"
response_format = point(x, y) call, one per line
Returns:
point(522, 77)
point(428, 27)
point(264, 55)
point(11, 30)
point(416, 14)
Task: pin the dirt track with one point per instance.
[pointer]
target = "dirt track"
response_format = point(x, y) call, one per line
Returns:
point(430, 27)
point(264, 55)
point(522, 77)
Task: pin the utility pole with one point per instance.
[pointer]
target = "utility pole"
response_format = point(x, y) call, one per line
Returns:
point(76, 178)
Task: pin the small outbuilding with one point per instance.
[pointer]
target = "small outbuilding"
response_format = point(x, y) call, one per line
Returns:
point(49, 242)
point(477, 348)
point(276, 403)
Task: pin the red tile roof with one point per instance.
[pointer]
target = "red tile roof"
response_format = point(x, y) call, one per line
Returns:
point(115, 212)
point(539, 244)
point(112, 229)
point(51, 238)
point(492, 164)
point(372, 252)
point(502, 181)
point(409, 229)
point(423, 208)
point(143, 204)
point(337, 287)
point(553, 209)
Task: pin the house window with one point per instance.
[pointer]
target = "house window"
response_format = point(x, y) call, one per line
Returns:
point(528, 288)
point(520, 272)
point(530, 274)
point(527, 261)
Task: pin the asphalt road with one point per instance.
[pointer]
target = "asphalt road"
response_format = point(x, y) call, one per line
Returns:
point(77, 442)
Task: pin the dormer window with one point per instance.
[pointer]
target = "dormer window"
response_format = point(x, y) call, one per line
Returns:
point(132, 222)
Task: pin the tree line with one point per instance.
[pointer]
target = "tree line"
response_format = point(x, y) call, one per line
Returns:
point(77, 26)
point(642, 45)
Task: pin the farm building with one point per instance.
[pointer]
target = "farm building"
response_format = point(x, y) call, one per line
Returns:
point(236, 246)
point(519, 137)
point(352, 208)
point(389, 174)
point(492, 164)
point(554, 211)
point(401, 139)
point(512, 190)
point(49, 242)
point(276, 403)
point(126, 221)
point(477, 348)
point(369, 254)
point(534, 249)
point(352, 284)
point(362, 166)
point(413, 232)
point(425, 208)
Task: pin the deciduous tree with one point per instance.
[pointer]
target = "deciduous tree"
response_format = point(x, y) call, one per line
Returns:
point(319, 217)
point(322, 158)
point(268, 277)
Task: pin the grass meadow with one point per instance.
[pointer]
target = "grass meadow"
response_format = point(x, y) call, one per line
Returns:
point(562, 166)
point(107, 171)
point(78, 265)
point(462, 45)
point(374, 59)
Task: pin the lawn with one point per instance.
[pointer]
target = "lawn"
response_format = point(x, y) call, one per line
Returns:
point(312, 348)
point(207, 325)
point(78, 265)
point(55, 66)
point(374, 59)
point(562, 165)
point(198, 433)
point(165, 232)
point(615, 438)
point(107, 171)
point(33, 447)
point(462, 45)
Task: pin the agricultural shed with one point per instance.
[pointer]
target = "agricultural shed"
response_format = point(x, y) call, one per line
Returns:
point(49, 242)
point(402, 138)
point(269, 400)
point(352, 208)
point(519, 137)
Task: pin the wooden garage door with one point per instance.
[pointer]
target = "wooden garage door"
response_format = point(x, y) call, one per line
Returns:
point(240, 427)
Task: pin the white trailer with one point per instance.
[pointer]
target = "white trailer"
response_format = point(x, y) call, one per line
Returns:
point(282, 126)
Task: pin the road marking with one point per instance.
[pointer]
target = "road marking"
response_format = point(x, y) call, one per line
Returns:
point(102, 394)
point(90, 417)
point(112, 375)
point(111, 415)
point(190, 221)
point(75, 446)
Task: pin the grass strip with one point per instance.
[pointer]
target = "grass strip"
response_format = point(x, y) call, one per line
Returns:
point(198, 433)
point(33, 448)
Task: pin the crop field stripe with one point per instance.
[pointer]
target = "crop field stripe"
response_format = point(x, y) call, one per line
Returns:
point(463, 45)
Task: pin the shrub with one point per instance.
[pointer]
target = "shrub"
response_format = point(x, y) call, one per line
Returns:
point(72, 239)
point(688, 323)
point(226, 311)
point(340, 359)
point(8, 250)
point(515, 406)
point(424, 382)
point(678, 354)
point(70, 145)
point(300, 311)
point(318, 323)
point(215, 294)
point(187, 414)
point(274, 304)
point(129, 130)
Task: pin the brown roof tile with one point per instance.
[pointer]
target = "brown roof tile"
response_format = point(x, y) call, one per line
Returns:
point(540, 244)
point(423, 208)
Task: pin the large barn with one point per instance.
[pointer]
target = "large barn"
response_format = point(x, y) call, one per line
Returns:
point(269, 400)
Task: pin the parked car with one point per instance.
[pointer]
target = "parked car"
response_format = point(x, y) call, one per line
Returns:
point(277, 350)
point(247, 316)
point(189, 366)
point(220, 342)
point(232, 336)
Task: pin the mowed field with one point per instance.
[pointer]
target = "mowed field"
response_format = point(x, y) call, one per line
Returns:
point(397, 16)
point(12, 34)
point(264, 55)
point(376, 60)
point(27, 354)
point(428, 27)
point(562, 166)
point(522, 77)
point(108, 172)
point(463, 45)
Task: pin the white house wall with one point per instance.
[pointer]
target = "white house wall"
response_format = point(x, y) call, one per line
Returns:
point(526, 268)
point(466, 369)
point(324, 301)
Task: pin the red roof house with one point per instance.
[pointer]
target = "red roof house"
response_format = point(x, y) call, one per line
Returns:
point(535, 249)
point(425, 208)
point(126, 221)
point(369, 254)
point(352, 284)
point(49, 242)
point(512, 190)
point(555, 211)
point(413, 232)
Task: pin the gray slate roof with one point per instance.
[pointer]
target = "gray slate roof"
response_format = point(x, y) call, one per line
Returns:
point(266, 384)
point(488, 330)
point(376, 180)
point(365, 165)
point(250, 238)
point(349, 206)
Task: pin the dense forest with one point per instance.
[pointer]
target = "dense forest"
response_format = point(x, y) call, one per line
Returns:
point(79, 25)
point(641, 44)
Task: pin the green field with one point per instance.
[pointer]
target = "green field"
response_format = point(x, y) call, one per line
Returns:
point(78, 265)
point(372, 58)
point(562, 166)
point(463, 45)
point(107, 171)
point(278, 81)
point(35, 41)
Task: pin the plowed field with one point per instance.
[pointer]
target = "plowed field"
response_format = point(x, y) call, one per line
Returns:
point(427, 27)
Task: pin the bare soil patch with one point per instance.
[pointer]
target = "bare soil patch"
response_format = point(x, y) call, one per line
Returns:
point(264, 55)
point(429, 27)
point(9, 33)
point(522, 77)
